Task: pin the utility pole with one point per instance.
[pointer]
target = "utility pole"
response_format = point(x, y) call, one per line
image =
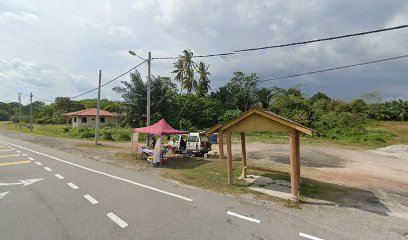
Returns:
point(97, 110)
point(149, 59)
point(31, 111)
point(19, 110)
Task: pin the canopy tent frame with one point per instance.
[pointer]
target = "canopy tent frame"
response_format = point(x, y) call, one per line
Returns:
point(161, 128)
point(262, 120)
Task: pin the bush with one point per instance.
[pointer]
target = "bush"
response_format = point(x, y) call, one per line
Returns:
point(66, 129)
point(106, 135)
point(121, 135)
point(83, 132)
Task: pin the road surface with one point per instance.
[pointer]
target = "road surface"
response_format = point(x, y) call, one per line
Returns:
point(49, 194)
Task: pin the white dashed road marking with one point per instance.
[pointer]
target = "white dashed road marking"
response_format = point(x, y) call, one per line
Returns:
point(25, 155)
point(59, 176)
point(243, 217)
point(30, 158)
point(73, 186)
point(107, 174)
point(117, 220)
point(309, 236)
point(48, 169)
point(18, 151)
point(90, 199)
point(38, 163)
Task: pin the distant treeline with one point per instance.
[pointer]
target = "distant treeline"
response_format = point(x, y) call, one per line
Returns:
point(198, 111)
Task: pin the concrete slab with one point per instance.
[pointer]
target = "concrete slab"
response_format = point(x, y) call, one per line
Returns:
point(269, 186)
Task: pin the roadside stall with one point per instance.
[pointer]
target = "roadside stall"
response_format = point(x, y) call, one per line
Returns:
point(161, 128)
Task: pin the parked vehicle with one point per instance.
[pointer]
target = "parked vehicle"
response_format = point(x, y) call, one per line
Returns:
point(195, 143)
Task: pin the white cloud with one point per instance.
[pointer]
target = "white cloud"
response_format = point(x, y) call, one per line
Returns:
point(9, 17)
point(123, 31)
point(61, 53)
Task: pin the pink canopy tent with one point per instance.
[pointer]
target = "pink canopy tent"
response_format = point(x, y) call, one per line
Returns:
point(160, 128)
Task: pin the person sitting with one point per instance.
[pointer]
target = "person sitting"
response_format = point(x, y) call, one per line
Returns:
point(153, 142)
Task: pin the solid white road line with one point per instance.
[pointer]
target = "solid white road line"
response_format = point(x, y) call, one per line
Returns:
point(48, 169)
point(90, 199)
point(59, 176)
point(38, 163)
point(117, 220)
point(25, 155)
point(309, 236)
point(73, 186)
point(243, 217)
point(30, 158)
point(106, 174)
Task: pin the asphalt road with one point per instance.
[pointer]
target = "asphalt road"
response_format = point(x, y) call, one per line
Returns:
point(49, 194)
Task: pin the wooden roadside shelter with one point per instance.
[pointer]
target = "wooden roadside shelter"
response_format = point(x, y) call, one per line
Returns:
point(262, 120)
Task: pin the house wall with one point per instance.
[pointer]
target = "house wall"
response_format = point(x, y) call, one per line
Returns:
point(91, 121)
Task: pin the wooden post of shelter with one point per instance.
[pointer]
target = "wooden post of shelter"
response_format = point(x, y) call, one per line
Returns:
point(298, 158)
point(294, 179)
point(229, 158)
point(244, 162)
point(221, 145)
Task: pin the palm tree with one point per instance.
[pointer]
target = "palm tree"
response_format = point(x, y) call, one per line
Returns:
point(264, 96)
point(203, 82)
point(189, 66)
point(179, 71)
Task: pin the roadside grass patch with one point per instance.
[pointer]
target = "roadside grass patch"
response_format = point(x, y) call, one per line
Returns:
point(207, 174)
point(131, 157)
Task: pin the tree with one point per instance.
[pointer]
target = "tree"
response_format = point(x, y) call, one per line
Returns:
point(243, 89)
point(65, 104)
point(203, 81)
point(319, 96)
point(189, 66)
point(185, 67)
point(134, 96)
point(264, 95)
point(179, 71)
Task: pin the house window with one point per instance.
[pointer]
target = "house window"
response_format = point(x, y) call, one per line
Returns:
point(74, 119)
point(102, 119)
point(84, 119)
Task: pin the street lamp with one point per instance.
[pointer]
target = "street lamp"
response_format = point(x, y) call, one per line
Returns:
point(148, 88)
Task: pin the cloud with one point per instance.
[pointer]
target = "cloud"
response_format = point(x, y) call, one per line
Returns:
point(62, 52)
point(9, 17)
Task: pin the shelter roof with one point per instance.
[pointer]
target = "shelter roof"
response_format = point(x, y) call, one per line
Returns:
point(160, 128)
point(91, 112)
point(260, 120)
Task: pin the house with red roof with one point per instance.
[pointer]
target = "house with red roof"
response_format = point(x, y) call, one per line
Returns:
point(87, 118)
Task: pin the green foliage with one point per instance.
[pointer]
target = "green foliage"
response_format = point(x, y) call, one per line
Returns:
point(66, 129)
point(243, 90)
point(229, 115)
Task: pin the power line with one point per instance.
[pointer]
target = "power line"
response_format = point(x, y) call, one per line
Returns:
point(330, 69)
point(335, 68)
point(291, 44)
point(114, 79)
point(323, 39)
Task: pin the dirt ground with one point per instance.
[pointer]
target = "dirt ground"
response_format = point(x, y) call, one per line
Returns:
point(381, 180)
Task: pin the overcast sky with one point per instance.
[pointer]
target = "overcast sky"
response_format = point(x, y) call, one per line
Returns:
point(55, 48)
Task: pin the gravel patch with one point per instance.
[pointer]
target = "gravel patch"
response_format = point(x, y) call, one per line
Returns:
point(399, 151)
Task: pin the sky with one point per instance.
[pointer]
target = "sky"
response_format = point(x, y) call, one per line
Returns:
point(56, 48)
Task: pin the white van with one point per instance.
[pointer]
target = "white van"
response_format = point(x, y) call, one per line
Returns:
point(195, 143)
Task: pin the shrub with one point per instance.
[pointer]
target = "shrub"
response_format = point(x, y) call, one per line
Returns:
point(66, 129)
point(121, 135)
